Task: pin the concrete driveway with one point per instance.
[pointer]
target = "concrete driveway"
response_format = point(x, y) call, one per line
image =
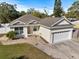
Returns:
point(64, 50)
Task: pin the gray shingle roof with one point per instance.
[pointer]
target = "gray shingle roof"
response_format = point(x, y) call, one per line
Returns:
point(27, 18)
point(50, 21)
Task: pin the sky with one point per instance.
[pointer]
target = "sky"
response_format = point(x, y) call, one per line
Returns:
point(23, 5)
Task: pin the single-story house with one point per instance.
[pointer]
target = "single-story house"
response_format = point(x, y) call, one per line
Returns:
point(52, 29)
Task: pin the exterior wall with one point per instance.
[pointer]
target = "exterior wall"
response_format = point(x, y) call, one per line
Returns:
point(63, 23)
point(45, 33)
point(36, 32)
point(25, 32)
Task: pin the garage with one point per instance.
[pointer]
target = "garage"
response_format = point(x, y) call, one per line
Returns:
point(61, 36)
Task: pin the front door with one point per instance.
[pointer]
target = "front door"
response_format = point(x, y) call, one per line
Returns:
point(30, 30)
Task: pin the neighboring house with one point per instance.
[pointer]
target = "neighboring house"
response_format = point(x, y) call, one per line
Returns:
point(75, 23)
point(4, 28)
point(52, 29)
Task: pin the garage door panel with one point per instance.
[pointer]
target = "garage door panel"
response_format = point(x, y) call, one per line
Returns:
point(61, 36)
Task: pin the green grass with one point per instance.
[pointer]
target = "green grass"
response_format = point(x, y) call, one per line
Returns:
point(9, 51)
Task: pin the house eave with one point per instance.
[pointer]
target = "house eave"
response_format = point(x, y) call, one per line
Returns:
point(62, 20)
point(23, 25)
point(45, 26)
point(63, 27)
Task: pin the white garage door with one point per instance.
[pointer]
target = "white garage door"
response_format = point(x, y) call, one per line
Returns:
point(61, 36)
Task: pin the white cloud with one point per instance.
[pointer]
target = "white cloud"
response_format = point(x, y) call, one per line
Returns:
point(21, 7)
point(24, 8)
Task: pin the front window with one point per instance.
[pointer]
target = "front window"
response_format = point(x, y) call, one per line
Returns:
point(19, 30)
point(35, 28)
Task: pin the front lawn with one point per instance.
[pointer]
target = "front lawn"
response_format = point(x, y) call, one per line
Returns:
point(9, 51)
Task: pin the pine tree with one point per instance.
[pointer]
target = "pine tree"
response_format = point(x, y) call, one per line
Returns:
point(58, 11)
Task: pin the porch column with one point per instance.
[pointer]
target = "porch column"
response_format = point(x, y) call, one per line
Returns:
point(25, 32)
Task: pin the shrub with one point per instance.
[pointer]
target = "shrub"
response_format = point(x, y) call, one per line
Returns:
point(11, 35)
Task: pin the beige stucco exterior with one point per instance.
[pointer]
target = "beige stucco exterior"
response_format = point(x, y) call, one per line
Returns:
point(45, 33)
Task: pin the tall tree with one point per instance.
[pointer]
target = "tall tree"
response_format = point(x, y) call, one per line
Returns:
point(57, 9)
point(8, 12)
point(73, 11)
point(36, 13)
point(74, 7)
point(22, 13)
